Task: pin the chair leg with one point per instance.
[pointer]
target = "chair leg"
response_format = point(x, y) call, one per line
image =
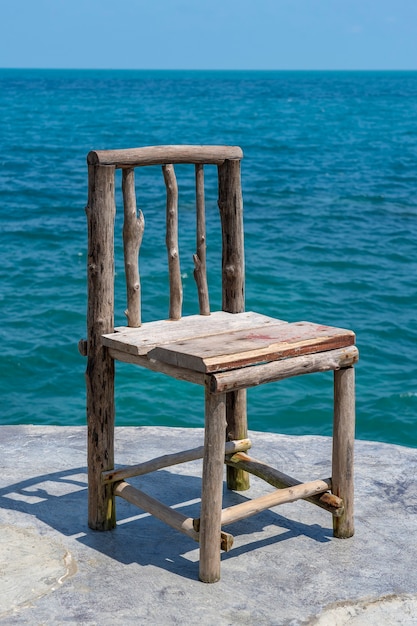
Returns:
point(237, 428)
point(343, 444)
point(101, 210)
point(100, 418)
point(212, 487)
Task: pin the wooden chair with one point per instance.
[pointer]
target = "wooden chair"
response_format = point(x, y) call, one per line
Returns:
point(226, 351)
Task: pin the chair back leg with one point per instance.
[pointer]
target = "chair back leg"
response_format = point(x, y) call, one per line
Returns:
point(237, 428)
point(100, 366)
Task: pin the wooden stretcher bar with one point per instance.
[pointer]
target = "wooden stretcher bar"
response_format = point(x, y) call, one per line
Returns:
point(166, 514)
point(231, 447)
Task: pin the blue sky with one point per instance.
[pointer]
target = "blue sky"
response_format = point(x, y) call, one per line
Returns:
point(209, 34)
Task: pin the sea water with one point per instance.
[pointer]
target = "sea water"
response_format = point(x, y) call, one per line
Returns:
point(330, 188)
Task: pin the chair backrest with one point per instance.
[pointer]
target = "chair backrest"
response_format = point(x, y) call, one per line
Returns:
point(101, 210)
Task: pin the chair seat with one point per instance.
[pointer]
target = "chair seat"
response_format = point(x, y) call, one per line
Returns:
point(225, 341)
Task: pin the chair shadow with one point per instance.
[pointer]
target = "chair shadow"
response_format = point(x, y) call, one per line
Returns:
point(59, 499)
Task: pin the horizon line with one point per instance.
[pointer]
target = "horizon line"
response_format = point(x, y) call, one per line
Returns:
point(167, 69)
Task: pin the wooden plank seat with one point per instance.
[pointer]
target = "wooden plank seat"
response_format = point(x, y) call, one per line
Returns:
point(244, 348)
point(226, 351)
point(223, 341)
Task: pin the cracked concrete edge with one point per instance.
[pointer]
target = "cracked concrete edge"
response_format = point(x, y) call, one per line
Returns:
point(395, 609)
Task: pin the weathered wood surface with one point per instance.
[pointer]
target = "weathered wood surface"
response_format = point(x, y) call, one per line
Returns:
point(82, 347)
point(200, 266)
point(212, 487)
point(233, 293)
point(237, 479)
point(100, 366)
point(133, 227)
point(166, 514)
point(242, 347)
point(286, 368)
point(175, 283)
point(156, 366)
point(278, 479)
point(161, 155)
point(231, 447)
point(343, 449)
point(246, 377)
point(231, 216)
point(139, 341)
point(290, 494)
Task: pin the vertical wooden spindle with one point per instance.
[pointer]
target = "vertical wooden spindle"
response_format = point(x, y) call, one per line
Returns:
point(231, 215)
point(100, 366)
point(200, 266)
point(133, 227)
point(175, 284)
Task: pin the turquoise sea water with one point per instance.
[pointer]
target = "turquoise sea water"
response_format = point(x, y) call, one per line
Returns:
point(329, 183)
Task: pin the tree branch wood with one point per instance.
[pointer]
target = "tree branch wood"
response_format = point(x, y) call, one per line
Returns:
point(175, 284)
point(133, 228)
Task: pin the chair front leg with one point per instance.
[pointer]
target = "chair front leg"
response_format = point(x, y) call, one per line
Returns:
point(343, 444)
point(212, 487)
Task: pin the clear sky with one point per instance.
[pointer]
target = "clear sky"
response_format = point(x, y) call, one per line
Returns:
point(209, 34)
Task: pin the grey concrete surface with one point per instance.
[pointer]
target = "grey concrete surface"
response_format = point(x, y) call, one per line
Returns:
point(285, 567)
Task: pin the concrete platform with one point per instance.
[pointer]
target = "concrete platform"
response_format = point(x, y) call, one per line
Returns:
point(285, 567)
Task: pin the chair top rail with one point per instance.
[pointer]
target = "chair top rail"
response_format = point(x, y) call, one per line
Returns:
point(162, 155)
